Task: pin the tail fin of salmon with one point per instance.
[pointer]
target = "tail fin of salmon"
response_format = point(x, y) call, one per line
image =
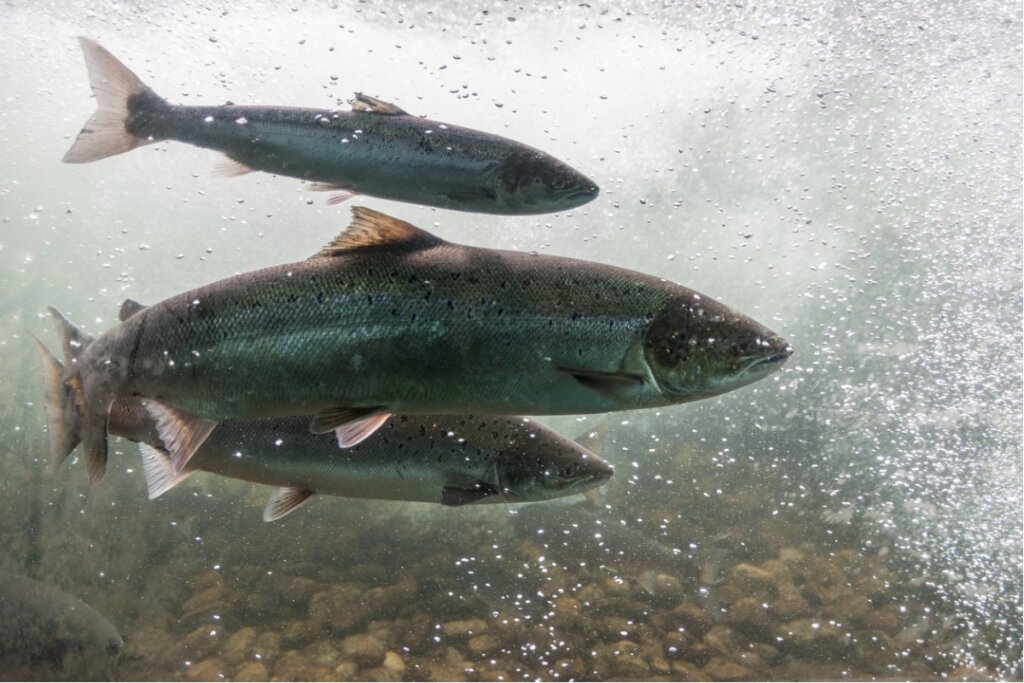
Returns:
point(64, 420)
point(117, 91)
point(80, 417)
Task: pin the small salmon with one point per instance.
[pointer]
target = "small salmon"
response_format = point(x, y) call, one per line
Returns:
point(446, 459)
point(376, 149)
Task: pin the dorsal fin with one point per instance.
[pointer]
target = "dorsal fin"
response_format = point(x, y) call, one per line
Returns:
point(129, 307)
point(372, 104)
point(371, 228)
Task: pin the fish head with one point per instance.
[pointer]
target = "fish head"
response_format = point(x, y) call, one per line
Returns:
point(534, 182)
point(696, 347)
point(545, 471)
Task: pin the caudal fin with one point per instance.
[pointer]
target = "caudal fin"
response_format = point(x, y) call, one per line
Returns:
point(117, 90)
point(75, 416)
point(64, 419)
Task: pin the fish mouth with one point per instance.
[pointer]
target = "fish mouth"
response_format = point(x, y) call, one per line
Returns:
point(781, 355)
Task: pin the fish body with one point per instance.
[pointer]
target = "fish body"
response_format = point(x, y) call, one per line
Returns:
point(446, 459)
point(376, 149)
point(46, 632)
point(391, 319)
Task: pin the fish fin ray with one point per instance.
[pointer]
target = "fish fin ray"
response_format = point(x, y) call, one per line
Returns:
point(80, 418)
point(228, 167)
point(609, 384)
point(116, 88)
point(285, 500)
point(161, 476)
point(372, 104)
point(63, 419)
point(130, 307)
point(342, 192)
point(329, 419)
point(371, 228)
point(354, 433)
point(453, 496)
point(182, 433)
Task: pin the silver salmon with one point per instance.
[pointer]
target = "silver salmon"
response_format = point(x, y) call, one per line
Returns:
point(389, 319)
point(448, 459)
point(376, 149)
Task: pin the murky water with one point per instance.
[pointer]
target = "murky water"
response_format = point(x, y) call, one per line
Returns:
point(849, 174)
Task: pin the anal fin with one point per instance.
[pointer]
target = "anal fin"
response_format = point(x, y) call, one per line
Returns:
point(231, 168)
point(342, 192)
point(182, 433)
point(284, 500)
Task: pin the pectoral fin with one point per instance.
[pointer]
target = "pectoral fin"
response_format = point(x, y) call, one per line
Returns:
point(456, 497)
point(181, 432)
point(356, 432)
point(608, 384)
point(284, 500)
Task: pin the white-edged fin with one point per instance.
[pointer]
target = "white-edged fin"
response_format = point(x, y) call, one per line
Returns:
point(160, 473)
point(372, 104)
point(341, 197)
point(284, 500)
point(355, 433)
point(370, 229)
point(115, 87)
point(181, 432)
point(129, 307)
point(227, 167)
point(329, 419)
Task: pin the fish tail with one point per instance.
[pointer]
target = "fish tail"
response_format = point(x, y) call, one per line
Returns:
point(120, 96)
point(74, 417)
point(64, 420)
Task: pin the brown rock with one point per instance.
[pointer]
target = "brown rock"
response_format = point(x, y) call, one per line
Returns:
point(722, 641)
point(379, 673)
point(751, 578)
point(788, 604)
point(750, 616)
point(685, 671)
point(882, 620)
point(812, 639)
point(252, 671)
point(719, 669)
point(322, 653)
point(238, 646)
point(570, 667)
point(293, 666)
point(267, 645)
point(346, 671)
point(339, 609)
point(483, 643)
point(207, 599)
point(691, 619)
point(206, 670)
point(394, 662)
point(464, 628)
point(364, 649)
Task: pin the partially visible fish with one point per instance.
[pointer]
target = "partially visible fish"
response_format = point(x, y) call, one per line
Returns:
point(48, 634)
point(376, 149)
point(390, 319)
point(446, 459)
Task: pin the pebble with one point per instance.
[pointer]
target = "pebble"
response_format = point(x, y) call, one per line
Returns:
point(206, 670)
point(463, 628)
point(252, 671)
point(394, 661)
point(364, 649)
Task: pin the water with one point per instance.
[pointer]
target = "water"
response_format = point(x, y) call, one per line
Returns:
point(851, 176)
